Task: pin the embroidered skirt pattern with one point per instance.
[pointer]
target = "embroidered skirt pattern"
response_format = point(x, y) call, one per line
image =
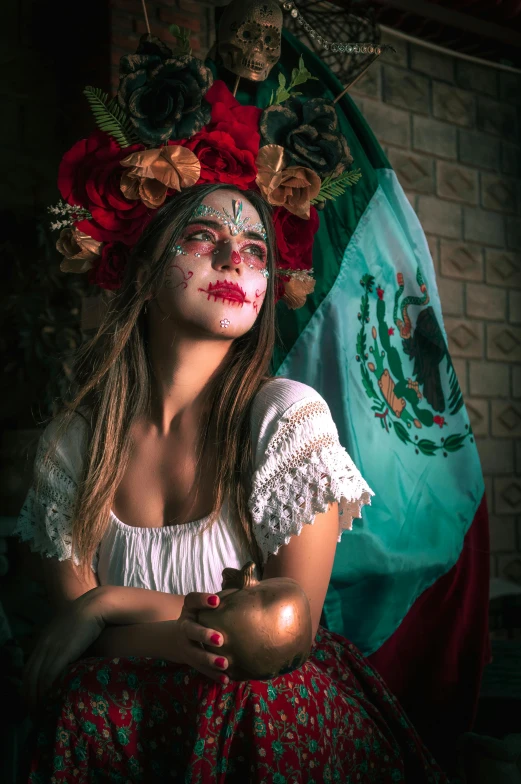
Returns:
point(127, 720)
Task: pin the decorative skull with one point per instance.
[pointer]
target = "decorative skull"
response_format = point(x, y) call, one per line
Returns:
point(249, 38)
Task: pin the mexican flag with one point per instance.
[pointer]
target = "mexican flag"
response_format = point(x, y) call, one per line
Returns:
point(410, 583)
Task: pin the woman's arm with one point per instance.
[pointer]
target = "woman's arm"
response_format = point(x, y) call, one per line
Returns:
point(308, 559)
point(138, 622)
point(80, 628)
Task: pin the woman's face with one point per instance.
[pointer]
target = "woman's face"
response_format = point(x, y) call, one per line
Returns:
point(216, 279)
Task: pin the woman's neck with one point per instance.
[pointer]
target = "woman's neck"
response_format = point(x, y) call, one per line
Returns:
point(182, 366)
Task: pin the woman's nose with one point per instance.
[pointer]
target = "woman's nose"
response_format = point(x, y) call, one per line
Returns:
point(228, 257)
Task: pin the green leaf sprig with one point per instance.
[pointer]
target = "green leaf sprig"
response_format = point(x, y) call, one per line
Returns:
point(331, 187)
point(183, 39)
point(110, 117)
point(299, 76)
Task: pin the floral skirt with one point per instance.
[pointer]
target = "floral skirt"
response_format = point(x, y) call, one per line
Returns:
point(147, 720)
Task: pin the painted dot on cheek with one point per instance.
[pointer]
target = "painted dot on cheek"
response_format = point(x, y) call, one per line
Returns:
point(236, 257)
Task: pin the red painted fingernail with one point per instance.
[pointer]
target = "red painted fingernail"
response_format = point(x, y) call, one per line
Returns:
point(213, 600)
point(220, 661)
point(215, 638)
point(224, 679)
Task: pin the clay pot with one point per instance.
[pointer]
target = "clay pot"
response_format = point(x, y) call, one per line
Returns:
point(266, 626)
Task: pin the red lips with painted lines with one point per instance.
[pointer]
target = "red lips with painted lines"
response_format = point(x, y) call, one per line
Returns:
point(226, 290)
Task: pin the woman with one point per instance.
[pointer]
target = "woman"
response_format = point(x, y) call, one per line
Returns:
point(179, 457)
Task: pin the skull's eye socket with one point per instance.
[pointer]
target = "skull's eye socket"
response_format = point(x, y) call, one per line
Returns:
point(246, 35)
point(268, 39)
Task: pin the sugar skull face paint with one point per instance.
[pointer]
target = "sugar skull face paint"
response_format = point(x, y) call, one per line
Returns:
point(216, 280)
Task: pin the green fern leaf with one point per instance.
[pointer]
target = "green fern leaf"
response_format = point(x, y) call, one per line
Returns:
point(110, 117)
point(333, 188)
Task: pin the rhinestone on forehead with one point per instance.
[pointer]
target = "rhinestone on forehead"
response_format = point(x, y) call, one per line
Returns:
point(236, 223)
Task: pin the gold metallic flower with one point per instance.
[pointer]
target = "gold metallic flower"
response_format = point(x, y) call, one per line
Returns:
point(296, 290)
point(151, 173)
point(292, 187)
point(79, 250)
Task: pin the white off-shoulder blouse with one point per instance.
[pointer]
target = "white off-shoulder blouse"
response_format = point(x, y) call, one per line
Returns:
point(300, 468)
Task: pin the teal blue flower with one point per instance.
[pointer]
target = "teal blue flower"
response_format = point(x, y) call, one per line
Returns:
point(302, 716)
point(209, 712)
point(278, 748)
point(263, 705)
point(320, 655)
point(199, 747)
point(396, 775)
point(320, 720)
point(59, 763)
point(101, 706)
point(123, 735)
point(103, 676)
point(304, 692)
point(42, 739)
point(132, 680)
point(272, 692)
point(278, 778)
point(313, 746)
point(240, 714)
point(134, 765)
point(222, 765)
point(229, 731)
point(259, 727)
point(158, 712)
point(314, 684)
point(89, 728)
point(80, 751)
point(76, 683)
point(136, 712)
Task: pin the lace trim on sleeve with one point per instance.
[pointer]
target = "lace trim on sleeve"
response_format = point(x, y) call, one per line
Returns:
point(305, 469)
point(45, 518)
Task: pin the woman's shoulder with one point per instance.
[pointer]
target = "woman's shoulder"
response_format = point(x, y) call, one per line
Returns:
point(64, 441)
point(279, 398)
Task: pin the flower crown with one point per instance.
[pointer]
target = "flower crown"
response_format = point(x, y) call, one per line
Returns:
point(172, 126)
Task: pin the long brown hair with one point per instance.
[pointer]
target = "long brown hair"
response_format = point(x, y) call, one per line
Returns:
point(113, 383)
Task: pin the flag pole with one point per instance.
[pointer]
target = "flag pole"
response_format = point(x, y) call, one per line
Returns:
point(354, 81)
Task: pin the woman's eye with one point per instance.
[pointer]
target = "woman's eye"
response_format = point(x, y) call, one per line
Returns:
point(254, 250)
point(201, 235)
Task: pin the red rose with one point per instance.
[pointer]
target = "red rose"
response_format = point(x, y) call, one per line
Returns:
point(295, 237)
point(221, 160)
point(90, 176)
point(109, 269)
point(229, 116)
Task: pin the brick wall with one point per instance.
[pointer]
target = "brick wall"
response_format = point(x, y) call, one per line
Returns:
point(451, 130)
point(128, 24)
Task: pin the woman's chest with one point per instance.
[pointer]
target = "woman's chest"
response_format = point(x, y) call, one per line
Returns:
point(166, 482)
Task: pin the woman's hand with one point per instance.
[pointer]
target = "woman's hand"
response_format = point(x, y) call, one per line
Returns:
point(191, 634)
point(62, 641)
